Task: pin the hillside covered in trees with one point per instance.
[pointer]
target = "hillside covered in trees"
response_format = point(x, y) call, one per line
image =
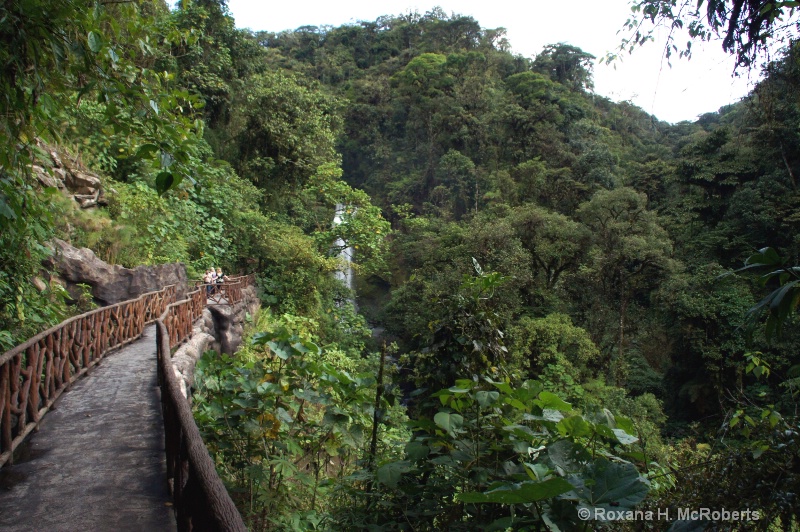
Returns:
point(548, 317)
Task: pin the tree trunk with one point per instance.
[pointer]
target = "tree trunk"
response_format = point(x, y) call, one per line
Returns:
point(623, 309)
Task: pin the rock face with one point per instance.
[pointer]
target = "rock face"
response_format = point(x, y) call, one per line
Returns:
point(112, 284)
point(228, 321)
point(219, 329)
point(185, 358)
point(85, 187)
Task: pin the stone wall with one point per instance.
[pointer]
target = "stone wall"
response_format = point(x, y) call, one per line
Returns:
point(220, 329)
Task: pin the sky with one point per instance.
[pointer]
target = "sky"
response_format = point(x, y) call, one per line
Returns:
point(683, 91)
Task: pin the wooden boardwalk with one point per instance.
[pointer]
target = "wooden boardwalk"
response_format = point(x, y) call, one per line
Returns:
point(97, 462)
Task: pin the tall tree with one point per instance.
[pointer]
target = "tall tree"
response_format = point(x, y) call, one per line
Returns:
point(287, 132)
point(566, 64)
point(631, 249)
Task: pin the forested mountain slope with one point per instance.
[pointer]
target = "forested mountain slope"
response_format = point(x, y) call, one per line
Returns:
point(591, 209)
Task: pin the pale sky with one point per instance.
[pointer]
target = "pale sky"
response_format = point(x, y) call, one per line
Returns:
point(683, 92)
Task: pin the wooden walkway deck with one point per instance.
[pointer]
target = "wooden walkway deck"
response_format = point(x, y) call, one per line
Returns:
point(97, 462)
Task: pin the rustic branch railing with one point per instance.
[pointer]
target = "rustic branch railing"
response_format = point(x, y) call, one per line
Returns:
point(201, 500)
point(228, 292)
point(246, 280)
point(34, 374)
point(179, 317)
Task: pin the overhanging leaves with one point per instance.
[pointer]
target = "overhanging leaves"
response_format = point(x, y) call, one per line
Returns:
point(390, 473)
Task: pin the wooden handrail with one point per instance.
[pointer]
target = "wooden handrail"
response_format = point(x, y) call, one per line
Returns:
point(180, 317)
point(201, 501)
point(34, 374)
point(228, 292)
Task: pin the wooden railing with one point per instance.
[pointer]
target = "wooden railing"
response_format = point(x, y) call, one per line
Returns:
point(201, 500)
point(34, 374)
point(179, 317)
point(246, 280)
point(228, 292)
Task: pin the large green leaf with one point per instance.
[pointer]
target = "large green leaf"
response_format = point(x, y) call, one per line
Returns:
point(551, 400)
point(94, 41)
point(624, 438)
point(417, 450)
point(164, 181)
point(5, 210)
point(764, 257)
point(486, 399)
point(568, 456)
point(390, 473)
point(262, 338)
point(574, 426)
point(146, 151)
point(609, 485)
point(280, 349)
point(449, 422)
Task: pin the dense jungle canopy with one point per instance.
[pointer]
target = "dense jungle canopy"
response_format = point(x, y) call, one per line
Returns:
point(551, 316)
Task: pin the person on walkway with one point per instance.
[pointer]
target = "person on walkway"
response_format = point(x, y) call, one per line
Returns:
point(214, 288)
point(208, 281)
point(221, 278)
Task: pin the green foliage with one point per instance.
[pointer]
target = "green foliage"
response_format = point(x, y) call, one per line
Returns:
point(168, 229)
point(441, 145)
point(294, 274)
point(281, 419)
point(553, 341)
point(631, 253)
point(496, 456)
point(25, 308)
point(361, 227)
point(556, 243)
point(85, 302)
point(287, 132)
point(568, 65)
point(708, 313)
point(66, 65)
point(422, 74)
point(28, 303)
point(782, 302)
point(465, 339)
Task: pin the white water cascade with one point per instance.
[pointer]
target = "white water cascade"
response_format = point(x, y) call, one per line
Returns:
point(345, 273)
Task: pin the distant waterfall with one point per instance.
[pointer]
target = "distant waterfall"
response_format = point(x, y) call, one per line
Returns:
point(345, 274)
